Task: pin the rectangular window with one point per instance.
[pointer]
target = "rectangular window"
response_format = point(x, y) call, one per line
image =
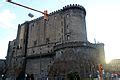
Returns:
point(55, 17)
point(35, 42)
point(67, 15)
point(61, 23)
point(68, 37)
point(47, 40)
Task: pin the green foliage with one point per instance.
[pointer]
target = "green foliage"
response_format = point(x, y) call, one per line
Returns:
point(73, 76)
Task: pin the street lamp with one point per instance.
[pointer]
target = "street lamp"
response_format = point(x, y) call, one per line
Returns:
point(30, 15)
point(90, 76)
point(45, 13)
point(116, 76)
point(2, 75)
point(25, 76)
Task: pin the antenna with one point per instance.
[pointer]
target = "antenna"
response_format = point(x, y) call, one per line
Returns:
point(95, 40)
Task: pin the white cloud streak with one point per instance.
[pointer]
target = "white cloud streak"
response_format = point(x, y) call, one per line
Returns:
point(6, 19)
point(103, 24)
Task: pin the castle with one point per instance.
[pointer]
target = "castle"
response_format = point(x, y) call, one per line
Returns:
point(55, 49)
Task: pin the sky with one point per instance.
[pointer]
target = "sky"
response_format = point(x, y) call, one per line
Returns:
point(102, 21)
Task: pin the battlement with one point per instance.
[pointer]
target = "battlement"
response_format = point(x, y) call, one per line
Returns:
point(74, 6)
point(71, 6)
point(55, 29)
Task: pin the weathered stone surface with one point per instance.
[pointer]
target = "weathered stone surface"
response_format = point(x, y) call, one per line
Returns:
point(56, 48)
point(2, 66)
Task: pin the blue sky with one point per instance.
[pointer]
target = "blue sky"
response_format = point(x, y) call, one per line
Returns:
point(102, 21)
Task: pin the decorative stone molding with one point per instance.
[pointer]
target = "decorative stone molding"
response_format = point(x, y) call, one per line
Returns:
point(72, 45)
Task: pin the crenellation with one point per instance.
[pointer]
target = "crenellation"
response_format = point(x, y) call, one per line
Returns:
point(77, 6)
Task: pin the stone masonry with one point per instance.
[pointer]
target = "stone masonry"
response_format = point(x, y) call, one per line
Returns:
point(57, 48)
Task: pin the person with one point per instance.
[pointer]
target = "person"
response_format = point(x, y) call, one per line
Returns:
point(31, 77)
point(28, 77)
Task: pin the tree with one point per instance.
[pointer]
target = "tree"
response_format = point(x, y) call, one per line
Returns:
point(73, 76)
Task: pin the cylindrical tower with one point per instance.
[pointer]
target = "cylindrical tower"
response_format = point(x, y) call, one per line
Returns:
point(75, 24)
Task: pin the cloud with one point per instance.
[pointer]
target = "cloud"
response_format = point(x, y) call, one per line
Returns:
point(6, 19)
point(3, 48)
point(8, 30)
point(103, 24)
point(5, 36)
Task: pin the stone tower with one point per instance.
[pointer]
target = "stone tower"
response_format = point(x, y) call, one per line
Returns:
point(57, 48)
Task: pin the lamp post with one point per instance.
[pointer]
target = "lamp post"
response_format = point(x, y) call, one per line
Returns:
point(90, 76)
point(25, 76)
point(116, 76)
point(2, 76)
point(45, 13)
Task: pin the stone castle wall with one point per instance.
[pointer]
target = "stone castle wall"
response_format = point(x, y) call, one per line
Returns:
point(57, 47)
